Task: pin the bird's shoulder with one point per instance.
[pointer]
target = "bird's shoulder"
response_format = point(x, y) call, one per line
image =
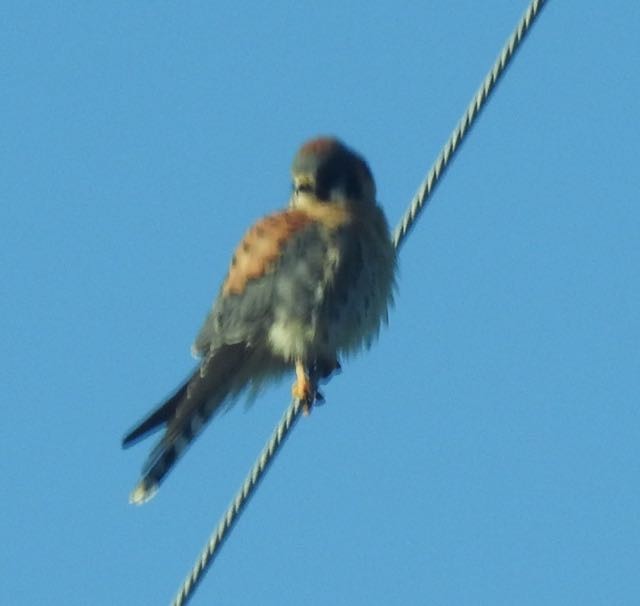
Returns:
point(273, 236)
point(282, 252)
point(261, 246)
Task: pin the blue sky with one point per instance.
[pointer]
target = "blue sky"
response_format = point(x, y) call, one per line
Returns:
point(485, 451)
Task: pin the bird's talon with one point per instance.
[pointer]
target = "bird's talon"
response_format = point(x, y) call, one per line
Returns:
point(305, 395)
point(304, 390)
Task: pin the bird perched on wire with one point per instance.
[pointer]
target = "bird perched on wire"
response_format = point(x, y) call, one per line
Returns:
point(305, 285)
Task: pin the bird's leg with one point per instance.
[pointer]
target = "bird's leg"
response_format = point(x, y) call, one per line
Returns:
point(304, 389)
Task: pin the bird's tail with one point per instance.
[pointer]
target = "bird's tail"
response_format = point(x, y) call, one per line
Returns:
point(185, 413)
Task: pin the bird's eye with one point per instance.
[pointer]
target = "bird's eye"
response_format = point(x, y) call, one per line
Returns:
point(303, 188)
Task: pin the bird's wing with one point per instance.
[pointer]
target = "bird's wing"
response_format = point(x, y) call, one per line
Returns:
point(277, 267)
point(279, 258)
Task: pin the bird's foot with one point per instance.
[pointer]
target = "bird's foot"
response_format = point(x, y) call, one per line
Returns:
point(326, 368)
point(305, 389)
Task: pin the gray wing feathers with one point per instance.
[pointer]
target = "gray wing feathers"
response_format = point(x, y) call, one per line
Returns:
point(289, 284)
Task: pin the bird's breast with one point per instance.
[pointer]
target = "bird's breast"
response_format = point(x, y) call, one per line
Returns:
point(336, 293)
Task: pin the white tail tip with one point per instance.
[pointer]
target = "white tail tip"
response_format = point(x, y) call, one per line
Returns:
point(142, 493)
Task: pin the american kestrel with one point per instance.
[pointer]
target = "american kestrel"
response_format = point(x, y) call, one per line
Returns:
point(305, 285)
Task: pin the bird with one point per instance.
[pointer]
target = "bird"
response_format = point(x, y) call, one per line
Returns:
point(307, 285)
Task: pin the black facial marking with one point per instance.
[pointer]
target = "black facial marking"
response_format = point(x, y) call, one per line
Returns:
point(304, 188)
point(338, 174)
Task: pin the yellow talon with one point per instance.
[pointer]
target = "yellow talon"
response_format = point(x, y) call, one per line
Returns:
point(303, 389)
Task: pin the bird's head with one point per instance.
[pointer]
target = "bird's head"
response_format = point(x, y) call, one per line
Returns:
point(326, 171)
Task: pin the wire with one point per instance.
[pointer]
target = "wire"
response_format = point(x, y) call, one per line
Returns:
point(416, 206)
point(461, 130)
point(216, 540)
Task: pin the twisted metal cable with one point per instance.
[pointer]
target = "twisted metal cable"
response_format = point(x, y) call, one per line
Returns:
point(417, 205)
point(423, 194)
point(288, 420)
